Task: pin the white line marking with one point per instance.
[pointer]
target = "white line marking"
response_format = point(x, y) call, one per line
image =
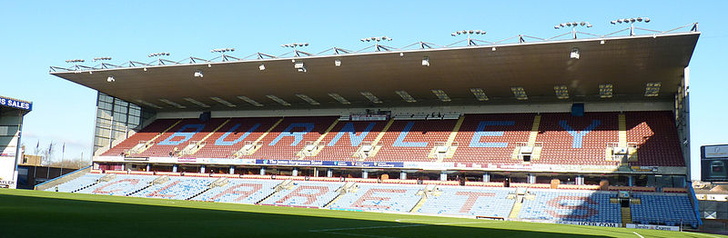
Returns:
point(638, 234)
point(365, 228)
point(354, 234)
point(696, 233)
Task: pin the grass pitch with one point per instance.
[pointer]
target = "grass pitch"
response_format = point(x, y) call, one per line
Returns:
point(25, 213)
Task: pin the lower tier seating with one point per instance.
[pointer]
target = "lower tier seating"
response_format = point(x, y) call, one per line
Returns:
point(240, 191)
point(669, 209)
point(472, 201)
point(468, 201)
point(308, 194)
point(379, 197)
point(579, 206)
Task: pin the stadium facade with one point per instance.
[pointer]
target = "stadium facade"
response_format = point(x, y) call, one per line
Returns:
point(602, 113)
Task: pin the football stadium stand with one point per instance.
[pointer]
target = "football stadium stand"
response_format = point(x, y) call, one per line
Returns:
point(517, 131)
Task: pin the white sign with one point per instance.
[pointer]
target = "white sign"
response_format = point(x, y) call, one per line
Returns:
point(586, 223)
point(716, 151)
point(653, 227)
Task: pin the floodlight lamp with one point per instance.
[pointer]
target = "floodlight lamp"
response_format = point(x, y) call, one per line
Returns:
point(647, 20)
point(198, 74)
point(613, 22)
point(337, 62)
point(261, 67)
point(493, 49)
point(299, 66)
point(110, 79)
point(426, 61)
point(574, 53)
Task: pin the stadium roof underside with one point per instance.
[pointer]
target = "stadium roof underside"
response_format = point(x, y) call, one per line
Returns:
point(629, 65)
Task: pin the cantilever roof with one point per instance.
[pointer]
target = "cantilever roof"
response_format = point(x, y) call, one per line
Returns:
point(627, 63)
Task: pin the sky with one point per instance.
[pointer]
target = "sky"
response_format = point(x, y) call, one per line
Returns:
point(37, 34)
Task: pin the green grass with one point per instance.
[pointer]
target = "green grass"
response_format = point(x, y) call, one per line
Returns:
point(26, 213)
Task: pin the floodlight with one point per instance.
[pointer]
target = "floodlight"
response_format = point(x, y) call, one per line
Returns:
point(198, 74)
point(337, 62)
point(631, 21)
point(426, 61)
point(574, 53)
point(261, 67)
point(299, 66)
point(110, 79)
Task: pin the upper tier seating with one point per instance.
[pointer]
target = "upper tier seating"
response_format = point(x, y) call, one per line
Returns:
point(347, 136)
point(181, 135)
point(290, 136)
point(491, 138)
point(669, 209)
point(145, 134)
point(233, 136)
point(412, 140)
point(582, 140)
point(473, 201)
point(656, 136)
point(379, 197)
point(579, 206)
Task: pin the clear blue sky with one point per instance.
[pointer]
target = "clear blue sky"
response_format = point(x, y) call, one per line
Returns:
point(38, 34)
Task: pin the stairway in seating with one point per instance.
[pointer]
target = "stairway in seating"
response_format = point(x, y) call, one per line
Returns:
point(450, 140)
point(379, 137)
point(626, 215)
point(622, 131)
point(516, 207)
point(534, 130)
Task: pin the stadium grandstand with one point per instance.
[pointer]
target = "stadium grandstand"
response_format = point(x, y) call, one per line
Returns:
point(577, 130)
point(12, 112)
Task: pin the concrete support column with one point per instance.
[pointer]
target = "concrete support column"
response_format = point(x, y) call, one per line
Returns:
point(364, 174)
point(486, 177)
point(262, 170)
point(175, 168)
point(531, 178)
point(149, 167)
point(443, 176)
point(630, 180)
point(294, 172)
point(579, 180)
point(203, 168)
point(232, 169)
point(329, 173)
point(402, 175)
